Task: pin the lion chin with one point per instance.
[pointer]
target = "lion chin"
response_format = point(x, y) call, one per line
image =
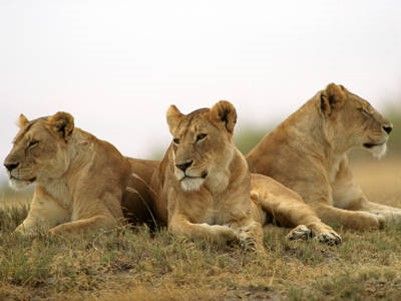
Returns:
point(19, 184)
point(191, 184)
point(378, 151)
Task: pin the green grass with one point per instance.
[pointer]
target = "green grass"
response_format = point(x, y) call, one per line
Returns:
point(133, 265)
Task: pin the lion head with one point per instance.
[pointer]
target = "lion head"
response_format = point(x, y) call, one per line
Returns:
point(39, 150)
point(353, 122)
point(202, 146)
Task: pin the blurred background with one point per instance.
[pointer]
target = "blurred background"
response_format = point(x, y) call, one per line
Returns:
point(117, 66)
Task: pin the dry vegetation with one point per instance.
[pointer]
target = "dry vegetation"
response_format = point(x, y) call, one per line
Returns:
point(132, 265)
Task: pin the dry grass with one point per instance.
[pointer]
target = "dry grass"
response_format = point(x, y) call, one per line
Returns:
point(131, 265)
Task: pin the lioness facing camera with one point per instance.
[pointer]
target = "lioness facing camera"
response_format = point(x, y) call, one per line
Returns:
point(203, 185)
point(308, 153)
point(80, 180)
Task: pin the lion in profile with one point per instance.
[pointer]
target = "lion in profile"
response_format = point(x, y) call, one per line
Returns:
point(80, 181)
point(203, 187)
point(308, 153)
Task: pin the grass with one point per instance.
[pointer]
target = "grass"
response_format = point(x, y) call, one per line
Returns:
point(127, 264)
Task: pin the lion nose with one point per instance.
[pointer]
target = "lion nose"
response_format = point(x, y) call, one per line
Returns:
point(184, 166)
point(388, 128)
point(11, 166)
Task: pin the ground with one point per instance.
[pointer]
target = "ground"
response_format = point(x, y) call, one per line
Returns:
point(128, 264)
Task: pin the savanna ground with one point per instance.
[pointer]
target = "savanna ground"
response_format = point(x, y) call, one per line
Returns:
point(131, 264)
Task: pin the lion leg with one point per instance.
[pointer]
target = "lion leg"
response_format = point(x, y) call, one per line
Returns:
point(289, 210)
point(347, 194)
point(390, 214)
point(214, 233)
point(91, 213)
point(44, 213)
point(297, 213)
point(93, 223)
point(357, 220)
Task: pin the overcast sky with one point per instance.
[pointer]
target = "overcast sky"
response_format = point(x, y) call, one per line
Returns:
point(117, 65)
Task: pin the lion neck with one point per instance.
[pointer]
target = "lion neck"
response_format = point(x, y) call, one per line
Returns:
point(304, 132)
point(228, 175)
point(323, 140)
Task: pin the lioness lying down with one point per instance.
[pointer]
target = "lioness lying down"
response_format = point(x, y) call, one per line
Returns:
point(80, 180)
point(203, 185)
point(308, 153)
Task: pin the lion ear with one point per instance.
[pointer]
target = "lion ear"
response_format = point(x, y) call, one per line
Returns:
point(224, 112)
point(22, 121)
point(62, 123)
point(173, 116)
point(332, 98)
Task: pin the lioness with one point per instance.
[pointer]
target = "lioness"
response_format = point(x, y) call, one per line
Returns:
point(203, 185)
point(80, 180)
point(308, 153)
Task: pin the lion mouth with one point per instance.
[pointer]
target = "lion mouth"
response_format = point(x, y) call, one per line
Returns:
point(370, 144)
point(192, 183)
point(202, 176)
point(17, 179)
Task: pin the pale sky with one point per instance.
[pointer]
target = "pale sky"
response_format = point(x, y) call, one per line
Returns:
point(118, 65)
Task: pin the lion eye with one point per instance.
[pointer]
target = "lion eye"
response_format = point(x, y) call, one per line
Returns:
point(176, 141)
point(364, 112)
point(33, 143)
point(200, 137)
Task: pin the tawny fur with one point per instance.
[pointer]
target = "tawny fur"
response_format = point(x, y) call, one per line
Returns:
point(308, 153)
point(280, 205)
point(211, 199)
point(80, 181)
point(219, 206)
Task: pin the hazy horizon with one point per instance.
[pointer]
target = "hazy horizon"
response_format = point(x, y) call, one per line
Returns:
point(117, 66)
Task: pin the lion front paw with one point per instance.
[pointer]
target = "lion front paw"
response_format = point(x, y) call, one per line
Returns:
point(247, 239)
point(24, 231)
point(248, 243)
point(300, 232)
point(325, 234)
point(330, 238)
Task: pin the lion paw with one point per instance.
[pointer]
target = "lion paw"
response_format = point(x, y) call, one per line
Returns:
point(246, 240)
point(300, 232)
point(330, 238)
point(248, 244)
point(24, 231)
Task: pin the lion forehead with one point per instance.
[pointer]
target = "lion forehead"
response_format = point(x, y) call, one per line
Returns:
point(33, 128)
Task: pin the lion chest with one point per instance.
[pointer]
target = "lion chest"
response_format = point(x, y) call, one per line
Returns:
point(61, 194)
point(213, 211)
point(333, 169)
point(215, 216)
point(200, 207)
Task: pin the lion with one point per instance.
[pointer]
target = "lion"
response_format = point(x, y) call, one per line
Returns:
point(308, 153)
point(204, 189)
point(80, 181)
